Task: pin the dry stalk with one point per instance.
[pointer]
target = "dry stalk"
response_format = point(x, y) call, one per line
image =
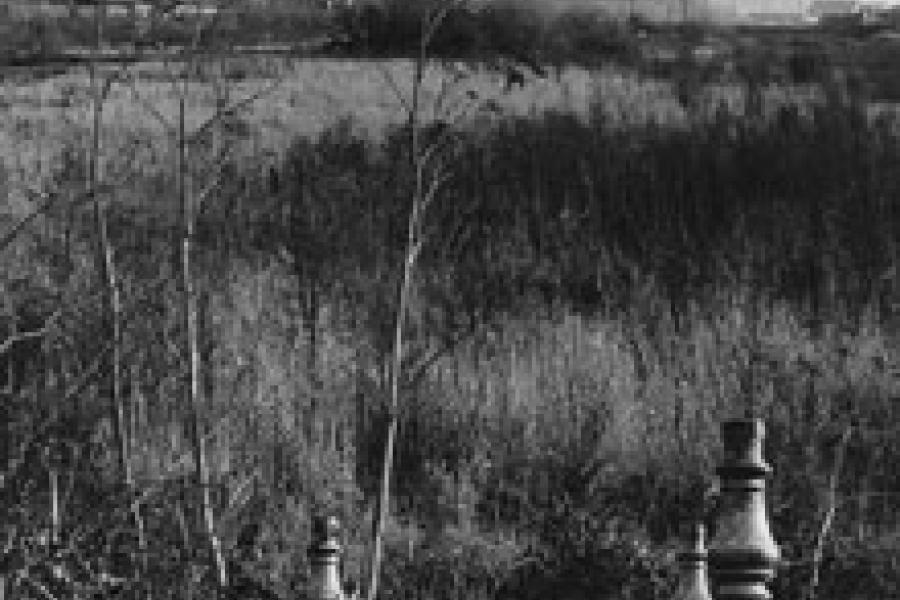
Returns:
point(190, 205)
point(829, 513)
point(423, 195)
point(109, 273)
point(16, 338)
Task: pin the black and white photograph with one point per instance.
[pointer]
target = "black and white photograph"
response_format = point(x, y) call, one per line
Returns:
point(449, 299)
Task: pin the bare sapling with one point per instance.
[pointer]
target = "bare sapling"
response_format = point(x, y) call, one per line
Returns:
point(428, 163)
point(191, 204)
point(112, 319)
point(427, 186)
point(110, 359)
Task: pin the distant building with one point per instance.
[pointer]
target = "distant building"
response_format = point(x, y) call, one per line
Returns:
point(827, 9)
point(873, 14)
point(776, 19)
point(196, 8)
point(338, 4)
point(28, 9)
point(123, 9)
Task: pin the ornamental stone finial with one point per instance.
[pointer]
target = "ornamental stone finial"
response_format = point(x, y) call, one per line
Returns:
point(743, 554)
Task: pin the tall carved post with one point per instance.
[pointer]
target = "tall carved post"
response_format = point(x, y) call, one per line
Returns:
point(694, 584)
point(743, 554)
point(324, 558)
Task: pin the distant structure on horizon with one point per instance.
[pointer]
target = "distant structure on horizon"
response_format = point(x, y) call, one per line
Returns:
point(778, 19)
point(814, 13)
point(759, 12)
point(25, 9)
point(651, 10)
point(819, 9)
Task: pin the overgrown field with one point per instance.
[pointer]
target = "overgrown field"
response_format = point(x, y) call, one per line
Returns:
point(595, 296)
point(46, 121)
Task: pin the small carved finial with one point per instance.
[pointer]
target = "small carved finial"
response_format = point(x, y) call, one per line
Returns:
point(694, 584)
point(326, 528)
point(696, 550)
point(699, 538)
point(324, 557)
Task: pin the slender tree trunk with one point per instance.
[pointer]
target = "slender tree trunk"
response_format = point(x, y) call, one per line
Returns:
point(105, 259)
point(190, 306)
point(112, 317)
point(413, 239)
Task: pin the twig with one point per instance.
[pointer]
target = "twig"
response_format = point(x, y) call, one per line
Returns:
point(829, 514)
point(392, 84)
point(449, 344)
point(14, 464)
point(152, 110)
point(211, 186)
point(9, 342)
point(434, 22)
point(238, 493)
point(231, 110)
point(437, 181)
point(16, 229)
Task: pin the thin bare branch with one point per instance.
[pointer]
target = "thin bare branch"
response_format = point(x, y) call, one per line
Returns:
point(238, 493)
point(147, 106)
point(19, 227)
point(392, 84)
point(419, 371)
point(49, 322)
point(231, 110)
point(14, 464)
point(431, 151)
point(829, 513)
point(207, 190)
point(467, 106)
point(435, 21)
point(459, 233)
point(438, 180)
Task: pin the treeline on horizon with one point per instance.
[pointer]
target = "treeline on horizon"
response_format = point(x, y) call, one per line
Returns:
point(389, 28)
point(519, 34)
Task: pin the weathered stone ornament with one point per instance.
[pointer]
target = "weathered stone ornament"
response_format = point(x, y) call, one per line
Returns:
point(324, 559)
point(694, 584)
point(743, 554)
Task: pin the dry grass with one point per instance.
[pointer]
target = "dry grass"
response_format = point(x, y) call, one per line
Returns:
point(587, 435)
point(543, 396)
point(45, 119)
